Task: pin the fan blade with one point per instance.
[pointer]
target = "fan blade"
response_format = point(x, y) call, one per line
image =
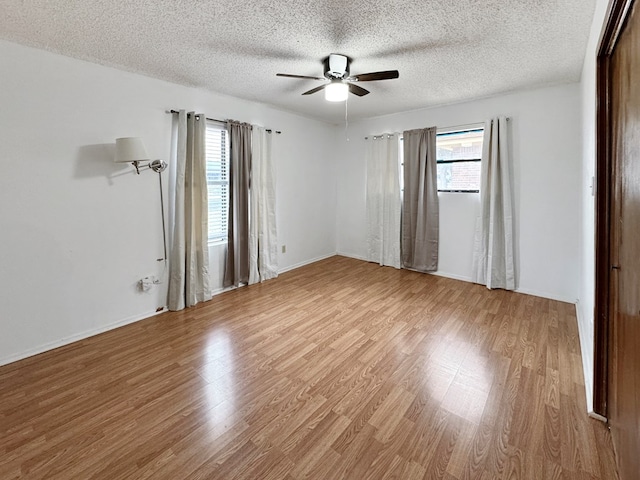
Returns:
point(317, 89)
point(299, 76)
point(356, 90)
point(369, 77)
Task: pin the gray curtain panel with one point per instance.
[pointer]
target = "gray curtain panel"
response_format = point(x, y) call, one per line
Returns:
point(189, 258)
point(493, 263)
point(420, 214)
point(237, 263)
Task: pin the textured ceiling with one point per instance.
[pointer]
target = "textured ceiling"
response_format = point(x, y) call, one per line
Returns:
point(446, 50)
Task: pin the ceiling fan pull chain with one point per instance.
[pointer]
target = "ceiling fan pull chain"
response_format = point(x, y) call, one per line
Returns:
point(346, 119)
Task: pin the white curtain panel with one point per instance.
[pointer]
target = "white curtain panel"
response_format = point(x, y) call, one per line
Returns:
point(383, 200)
point(263, 238)
point(189, 257)
point(493, 263)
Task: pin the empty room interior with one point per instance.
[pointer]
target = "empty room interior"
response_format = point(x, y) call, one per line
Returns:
point(325, 240)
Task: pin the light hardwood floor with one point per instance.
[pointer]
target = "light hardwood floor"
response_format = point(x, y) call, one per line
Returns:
point(340, 369)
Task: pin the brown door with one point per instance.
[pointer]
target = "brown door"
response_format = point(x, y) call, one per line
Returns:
point(624, 297)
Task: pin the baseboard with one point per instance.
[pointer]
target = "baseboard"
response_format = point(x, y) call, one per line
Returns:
point(81, 336)
point(452, 276)
point(525, 291)
point(550, 296)
point(362, 259)
point(218, 291)
point(462, 278)
point(352, 255)
point(307, 262)
point(77, 337)
point(90, 333)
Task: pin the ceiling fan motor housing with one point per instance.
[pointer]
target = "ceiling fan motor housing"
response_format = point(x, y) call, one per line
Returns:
point(336, 66)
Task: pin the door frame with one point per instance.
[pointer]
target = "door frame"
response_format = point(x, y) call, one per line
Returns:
point(617, 13)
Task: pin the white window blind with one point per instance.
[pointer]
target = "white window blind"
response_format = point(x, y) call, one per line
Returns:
point(217, 181)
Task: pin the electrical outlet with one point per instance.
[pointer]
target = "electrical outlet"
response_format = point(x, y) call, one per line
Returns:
point(145, 284)
point(284, 249)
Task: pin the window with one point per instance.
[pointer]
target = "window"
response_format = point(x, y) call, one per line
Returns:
point(217, 153)
point(458, 155)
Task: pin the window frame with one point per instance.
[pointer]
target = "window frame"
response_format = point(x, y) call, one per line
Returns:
point(453, 131)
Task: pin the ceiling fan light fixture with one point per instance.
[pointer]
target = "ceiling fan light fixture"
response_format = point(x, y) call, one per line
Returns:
point(336, 92)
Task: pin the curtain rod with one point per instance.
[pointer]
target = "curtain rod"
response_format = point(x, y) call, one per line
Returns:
point(375, 137)
point(268, 130)
point(456, 128)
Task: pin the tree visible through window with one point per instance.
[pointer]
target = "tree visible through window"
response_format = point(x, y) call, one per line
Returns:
point(217, 153)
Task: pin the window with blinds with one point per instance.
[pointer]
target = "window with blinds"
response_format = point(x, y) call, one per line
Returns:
point(217, 153)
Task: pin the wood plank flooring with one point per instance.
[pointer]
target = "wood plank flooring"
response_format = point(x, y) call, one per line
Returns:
point(340, 369)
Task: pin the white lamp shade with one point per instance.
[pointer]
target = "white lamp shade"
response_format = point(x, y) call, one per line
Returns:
point(336, 92)
point(130, 149)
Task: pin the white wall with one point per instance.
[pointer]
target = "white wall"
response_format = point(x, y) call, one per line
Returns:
point(545, 127)
point(78, 231)
point(586, 301)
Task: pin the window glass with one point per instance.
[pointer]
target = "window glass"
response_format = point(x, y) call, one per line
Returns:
point(458, 155)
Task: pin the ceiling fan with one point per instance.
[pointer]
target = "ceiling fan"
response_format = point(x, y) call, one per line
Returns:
point(337, 71)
